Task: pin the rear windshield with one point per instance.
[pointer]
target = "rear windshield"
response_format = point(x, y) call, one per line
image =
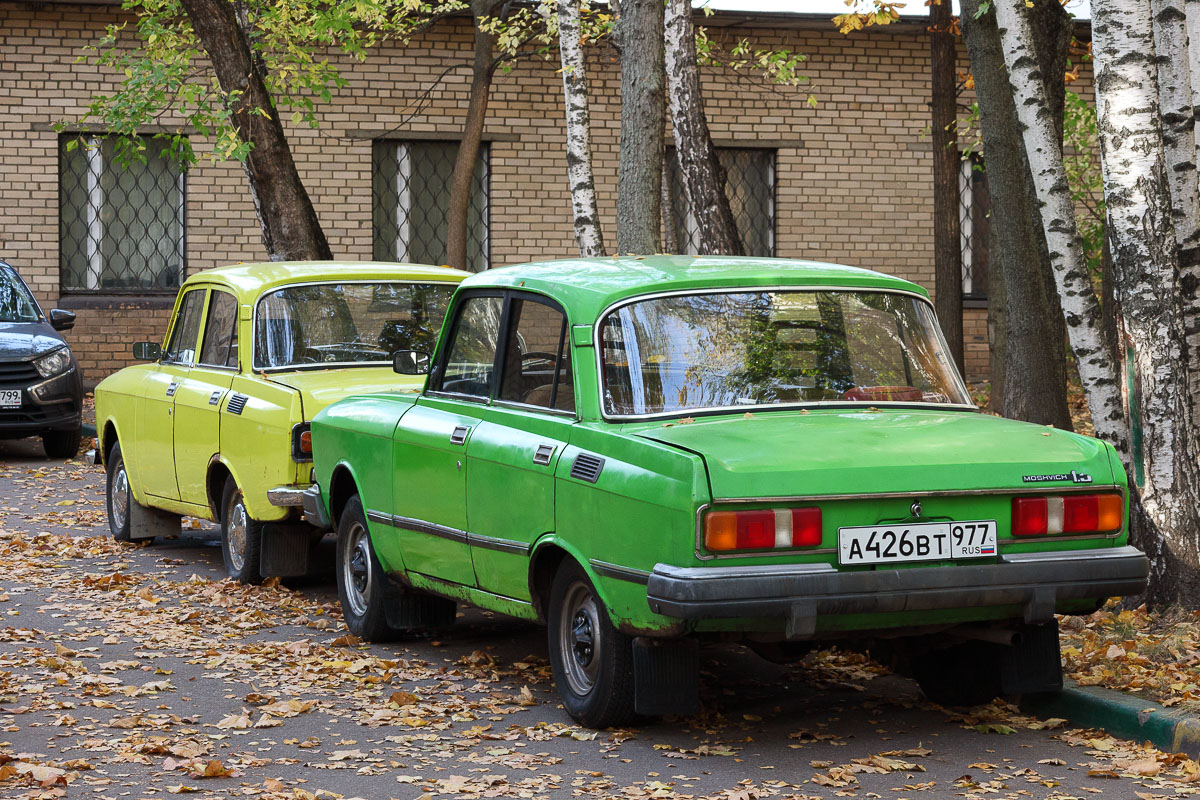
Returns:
point(16, 304)
point(738, 350)
point(347, 324)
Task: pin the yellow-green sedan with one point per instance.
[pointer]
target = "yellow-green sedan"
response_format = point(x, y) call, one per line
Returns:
point(216, 425)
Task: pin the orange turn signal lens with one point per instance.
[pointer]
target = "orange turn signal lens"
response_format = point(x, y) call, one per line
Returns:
point(1111, 514)
point(720, 530)
point(306, 442)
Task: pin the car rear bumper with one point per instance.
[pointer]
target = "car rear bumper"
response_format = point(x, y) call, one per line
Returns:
point(314, 508)
point(800, 593)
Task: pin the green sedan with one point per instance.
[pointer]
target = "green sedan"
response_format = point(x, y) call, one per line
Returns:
point(645, 452)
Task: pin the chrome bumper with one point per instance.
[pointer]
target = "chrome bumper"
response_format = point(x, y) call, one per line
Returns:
point(288, 496)
point(314, 508)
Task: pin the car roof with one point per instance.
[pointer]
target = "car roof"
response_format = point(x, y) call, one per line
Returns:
point(587, 286)
point(253, 279)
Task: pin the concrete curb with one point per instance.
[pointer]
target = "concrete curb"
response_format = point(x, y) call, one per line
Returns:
point(1120, 714)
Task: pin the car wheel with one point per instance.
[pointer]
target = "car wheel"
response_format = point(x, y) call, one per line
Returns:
point(118, 496)
point(62, 444)
point(966, 674)
point(592, 661)
point(241, 537)
point(361, 582)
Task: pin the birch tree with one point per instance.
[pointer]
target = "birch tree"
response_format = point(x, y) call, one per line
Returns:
point(703, 176)
point(947, 247)
point(588, 233)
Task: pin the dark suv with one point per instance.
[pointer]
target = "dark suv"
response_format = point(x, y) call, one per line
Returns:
point(41, 386)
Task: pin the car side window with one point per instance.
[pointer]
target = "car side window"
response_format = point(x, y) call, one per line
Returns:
point(182, 347)
point(220, 348)
point(537, 367)
point(472, 355)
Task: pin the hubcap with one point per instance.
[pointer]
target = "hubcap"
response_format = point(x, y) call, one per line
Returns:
point(356, 569)
point(235, 533)
point(579, 638)
point(120, 499)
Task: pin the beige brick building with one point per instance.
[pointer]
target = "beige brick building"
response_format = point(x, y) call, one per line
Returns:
point(848, 181)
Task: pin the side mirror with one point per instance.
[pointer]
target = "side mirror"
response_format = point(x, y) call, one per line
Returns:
point(147, 351)
point(61, 319)
point(411, 362)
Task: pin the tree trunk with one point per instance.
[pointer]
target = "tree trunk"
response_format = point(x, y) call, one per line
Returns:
point(670, 235)
point(1171, 47)
point(1029, 331)
point(588, 234)
point(483, 67)
point(947, 245)
point(640, 30)
point(1096, 370)
point(703, 176)
point(290, 228)
point(1145, 270)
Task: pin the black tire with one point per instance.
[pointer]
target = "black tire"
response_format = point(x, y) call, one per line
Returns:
point(362, 584)
point(592, 661)
point(966, 674)
point(62, 444)
point(241, 537)
point(118, 496)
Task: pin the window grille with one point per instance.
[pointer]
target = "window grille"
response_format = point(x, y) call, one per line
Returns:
point(121, 226)
point(750, 185)
point(974, 213)
point(411, 201)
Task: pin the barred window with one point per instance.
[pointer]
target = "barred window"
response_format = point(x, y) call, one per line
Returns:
point(750, 185)
point(121, 226)
point(974, 212)
point(411, 201)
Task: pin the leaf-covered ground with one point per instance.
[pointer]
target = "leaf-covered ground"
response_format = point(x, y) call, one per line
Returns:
point(136, 672)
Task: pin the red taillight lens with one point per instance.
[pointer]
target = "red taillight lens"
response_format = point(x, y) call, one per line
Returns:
point(1029, 516)
point(1072, 513)
point(762, 529)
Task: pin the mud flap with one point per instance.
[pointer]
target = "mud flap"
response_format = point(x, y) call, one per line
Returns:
point(408, 610)
point(146, 522)
point(666, 676)
point(285, 550)
point(1033, 663)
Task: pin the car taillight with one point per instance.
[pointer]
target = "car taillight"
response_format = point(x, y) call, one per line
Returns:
point(306, 442)
point(762, 529)
point(1071, 513)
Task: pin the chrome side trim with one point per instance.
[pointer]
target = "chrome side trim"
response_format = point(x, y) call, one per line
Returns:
point(597, 344)
point(453, 534)
point(286, 496)
point(619, 573)
point(421, 526)
point(501, 545)
point(376, 516)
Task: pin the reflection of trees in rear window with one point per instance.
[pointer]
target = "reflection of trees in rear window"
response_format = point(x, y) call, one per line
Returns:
point(340, 323)
point(721, 350)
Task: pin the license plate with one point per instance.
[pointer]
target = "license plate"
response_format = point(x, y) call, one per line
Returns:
point(926, 541)
point(10, 398)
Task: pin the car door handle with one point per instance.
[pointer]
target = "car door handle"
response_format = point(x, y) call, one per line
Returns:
point(544, 453)
point(460, 434)
point(171, 387)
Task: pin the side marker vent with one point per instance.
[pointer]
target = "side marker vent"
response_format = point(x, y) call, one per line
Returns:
point(236, 404)
point(587, 467)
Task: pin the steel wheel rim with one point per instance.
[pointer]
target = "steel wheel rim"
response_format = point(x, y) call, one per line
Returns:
point(357, 572)
point(119, 499)
point(236, 535)
point(579, 638)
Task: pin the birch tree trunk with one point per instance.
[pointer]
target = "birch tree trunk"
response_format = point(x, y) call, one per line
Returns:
point(588, 234)
point(1172, 51)
point(1146, 271)
point(947, 245)
point(1097, 371)
point(483, 67)
point(639, 205)
point(1027, 350)
point(290, 228)
point(703, 176)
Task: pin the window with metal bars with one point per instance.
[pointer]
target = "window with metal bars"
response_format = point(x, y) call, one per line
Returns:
point(411, 200)
point(121, 225)
point(750, 185)
point(974, 215)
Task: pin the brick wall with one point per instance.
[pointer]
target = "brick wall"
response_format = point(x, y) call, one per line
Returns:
point(853, 175)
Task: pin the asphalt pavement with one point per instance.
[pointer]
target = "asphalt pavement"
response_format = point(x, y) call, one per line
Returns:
point(135, 671)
